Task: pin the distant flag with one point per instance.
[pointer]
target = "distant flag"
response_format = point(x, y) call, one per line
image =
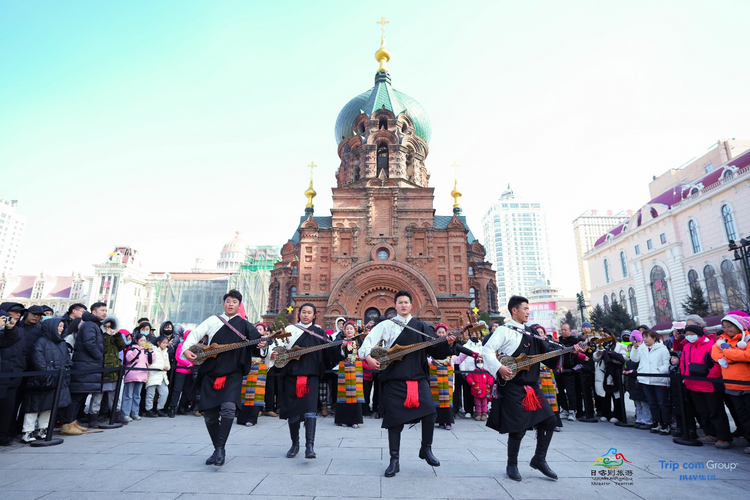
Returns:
point(242, 312)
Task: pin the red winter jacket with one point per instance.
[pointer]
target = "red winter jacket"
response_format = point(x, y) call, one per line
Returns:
point(481, 383)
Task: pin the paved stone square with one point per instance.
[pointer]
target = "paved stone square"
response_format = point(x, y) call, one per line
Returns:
point(163, 459)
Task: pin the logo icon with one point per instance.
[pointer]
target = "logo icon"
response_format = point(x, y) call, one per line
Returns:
point(611, 460)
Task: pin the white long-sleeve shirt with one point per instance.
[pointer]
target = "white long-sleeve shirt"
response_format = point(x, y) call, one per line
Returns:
point(386, 331)
point(209, 327)
point(505, 340)
point(295, 335)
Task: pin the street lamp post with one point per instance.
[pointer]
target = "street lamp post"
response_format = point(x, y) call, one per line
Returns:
point(581, 301)
point(742, 253)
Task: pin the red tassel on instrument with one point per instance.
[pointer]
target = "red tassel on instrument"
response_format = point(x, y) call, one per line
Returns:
point(531, 402)
point(412, 394)
point(302, 388)
point(219, 383)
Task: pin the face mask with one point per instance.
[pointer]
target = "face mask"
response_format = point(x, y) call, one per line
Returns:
point(480, 366)
point(691, 338)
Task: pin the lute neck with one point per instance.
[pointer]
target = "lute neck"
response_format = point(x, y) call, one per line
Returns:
point(416, 347)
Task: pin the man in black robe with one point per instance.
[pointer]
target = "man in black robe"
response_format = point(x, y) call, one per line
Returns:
point(300, 378)
point(521, 405)
point(405, 395)
point(220, 378)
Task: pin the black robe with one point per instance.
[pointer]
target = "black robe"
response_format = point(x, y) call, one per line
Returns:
point(510, 415)
point(311, 365)
point(234, 365)
point(412, 367)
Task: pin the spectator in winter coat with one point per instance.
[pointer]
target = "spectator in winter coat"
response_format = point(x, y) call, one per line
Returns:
point(182, 379)
point(31, 325)
point(139, 356)
point(158, 378)
point(480, 382)
point(75, 311)
point(13, 360)
point(88, 354)
point(50, 354)
point(731, 347)
point(608, 365)
point(10, 336)
point(113, 344)
point(653, 358)
point(635, 390)
point(705, 397)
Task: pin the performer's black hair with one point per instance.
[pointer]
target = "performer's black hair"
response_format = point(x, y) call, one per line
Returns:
point(235, 294)
point(315, 310)
point(402, 293)
point(516, 301)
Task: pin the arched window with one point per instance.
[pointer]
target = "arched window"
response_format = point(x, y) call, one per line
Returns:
point(633, 302)
point(471, 271)
point(382, 159)
point(734, 294)
point(662, 306)
point(606, 271)
point(410, 164)
point(693, 281)
point(371, 314)
point(292, 293)
point(729, 229)
point(712, 290)
point(383, 124)
point(473, 295)
point(624, 265)
point(295, 270)
point(693, 231)
point(623, 300)
point(606, 303)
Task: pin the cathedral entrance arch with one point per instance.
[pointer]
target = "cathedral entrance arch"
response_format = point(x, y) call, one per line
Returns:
point(371, 314)
point(374, 284)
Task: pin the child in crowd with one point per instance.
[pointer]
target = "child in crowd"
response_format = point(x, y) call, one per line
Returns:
point(635, 389)
point(480, 382)
point(158, 378)
point(139, 355)
point(653, 358)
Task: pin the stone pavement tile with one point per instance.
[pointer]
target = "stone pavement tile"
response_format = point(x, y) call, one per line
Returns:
point(674, 489)
point(539, 487)
point(335, 486)
point(64, 480)
point(8, 459)
point(461, 468)
point(84, 495)
point(377, 468)
point(75, 444)
point(203, 483)
point(73, 461)
point(159, 449)
point(499, 453)
point(263, 466)
point(425, 487)
point(149, 463)
point(25, 495)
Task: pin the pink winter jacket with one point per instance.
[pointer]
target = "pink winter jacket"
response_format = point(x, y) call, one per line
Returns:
point(183, 365)
point(136, 358)
point(699, 352)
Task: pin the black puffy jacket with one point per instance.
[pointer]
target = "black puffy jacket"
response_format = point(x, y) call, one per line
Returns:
point(88, 354)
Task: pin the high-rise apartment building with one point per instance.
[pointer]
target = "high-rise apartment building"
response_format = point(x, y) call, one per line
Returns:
point(515, 236)
point(12, 226)
point(587, 228)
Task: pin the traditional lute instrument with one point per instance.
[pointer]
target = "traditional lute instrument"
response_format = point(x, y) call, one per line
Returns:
point(211, 351)
point(524, 362)
point(284, 355)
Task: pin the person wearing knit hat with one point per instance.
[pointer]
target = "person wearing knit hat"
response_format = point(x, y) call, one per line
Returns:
point(586, 324)
point(732, 354)
point(704, 397)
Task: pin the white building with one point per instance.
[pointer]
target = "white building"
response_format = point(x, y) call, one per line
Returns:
point(57, 292)
point(679, 240)
point(12, 227)
point(587, 228)
point(515, 237)
point(121, 282)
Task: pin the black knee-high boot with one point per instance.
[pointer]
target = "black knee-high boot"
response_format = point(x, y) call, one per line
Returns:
point(514, 444)
point(539, 460)
point(310, 437)
point(213, 431)
point(425, 452)
point(294, 433)
point(394, 444)
point(225, 427)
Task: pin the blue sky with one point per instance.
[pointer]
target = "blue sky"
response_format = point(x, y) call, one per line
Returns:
point(169, 125)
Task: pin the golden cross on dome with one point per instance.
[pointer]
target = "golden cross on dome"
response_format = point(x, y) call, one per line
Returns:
point(312, 165)
point(382, 24)
point(455, 169)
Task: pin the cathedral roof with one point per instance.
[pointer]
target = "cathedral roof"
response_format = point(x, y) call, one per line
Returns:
point(438, 222)
point(380, 96)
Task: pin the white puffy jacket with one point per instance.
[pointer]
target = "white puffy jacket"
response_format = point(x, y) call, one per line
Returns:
point(160, 362)
point(654, 361)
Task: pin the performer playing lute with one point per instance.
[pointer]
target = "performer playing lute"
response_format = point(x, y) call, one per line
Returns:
point(521, 405)
point(300, 378)
point(220, 378)
point(405, 395)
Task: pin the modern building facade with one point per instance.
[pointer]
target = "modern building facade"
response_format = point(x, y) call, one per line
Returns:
point(515, 236)
point(587, 228)
point(382, 235)
point(679, 241)
point(12, 227)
